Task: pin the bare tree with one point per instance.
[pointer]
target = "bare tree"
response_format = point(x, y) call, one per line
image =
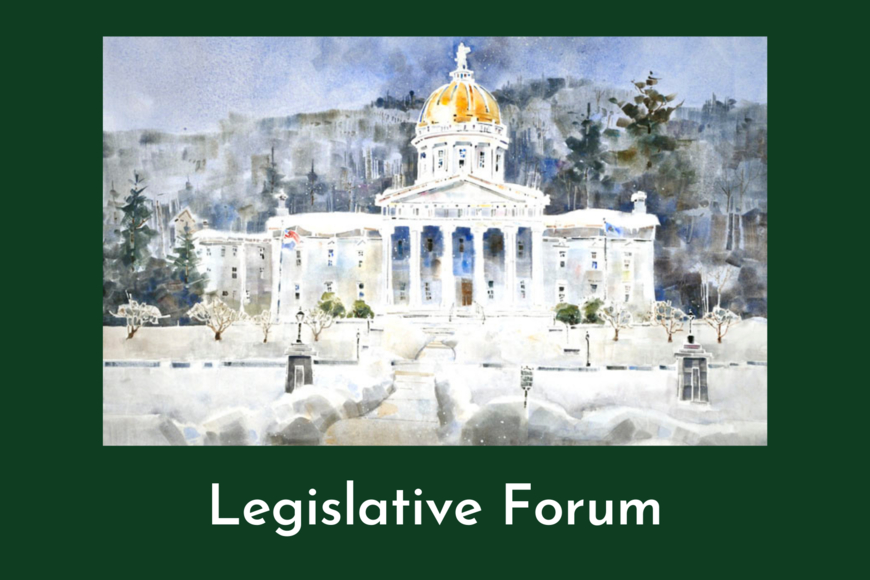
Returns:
point(215, 314)
point(738, 175)
point(264, 321)
point(617, 316)
point(137, 314)
point(318, 320)
point(668, 317)
point(721, 319)
point(720, 275)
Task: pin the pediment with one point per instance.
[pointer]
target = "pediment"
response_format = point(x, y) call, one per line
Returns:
point(460, 191)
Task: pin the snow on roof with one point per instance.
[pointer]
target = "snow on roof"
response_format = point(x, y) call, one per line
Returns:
point(217, 235)
point(185, 211)
point(328, 223)
point(596, 217)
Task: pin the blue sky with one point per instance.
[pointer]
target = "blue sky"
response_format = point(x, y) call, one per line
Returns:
point(189, 84)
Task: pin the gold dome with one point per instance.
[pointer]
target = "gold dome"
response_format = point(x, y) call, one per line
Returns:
point(459, 102)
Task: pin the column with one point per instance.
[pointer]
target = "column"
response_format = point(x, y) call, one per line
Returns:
point(448, 283)
point(510, 263)
point(479, 282)
point(387, 251)
point(415, 229)
point(275, 277)
point(538, 265)
point(243, 275)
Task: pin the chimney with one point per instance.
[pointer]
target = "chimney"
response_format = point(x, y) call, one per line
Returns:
point(639, 201)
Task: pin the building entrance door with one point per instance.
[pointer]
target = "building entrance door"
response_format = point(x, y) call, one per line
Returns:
point(467, 293)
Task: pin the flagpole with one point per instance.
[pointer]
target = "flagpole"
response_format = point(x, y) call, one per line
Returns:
point(280, 276)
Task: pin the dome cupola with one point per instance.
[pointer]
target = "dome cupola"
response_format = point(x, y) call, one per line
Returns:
point(460, 129)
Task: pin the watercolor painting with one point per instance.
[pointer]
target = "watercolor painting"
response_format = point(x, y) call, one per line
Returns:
point(435, 241)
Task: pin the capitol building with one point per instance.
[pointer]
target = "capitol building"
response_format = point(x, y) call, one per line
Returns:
point(460, 239)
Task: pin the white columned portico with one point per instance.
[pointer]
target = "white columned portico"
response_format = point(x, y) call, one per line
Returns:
point(538, 265)
point(414, 230)
point(479, 283)
point(510, 263)
point(448, 282)
point(387, 250)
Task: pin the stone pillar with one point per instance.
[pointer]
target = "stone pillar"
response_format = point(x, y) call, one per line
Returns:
point(275, 278)
point(510, 263)
point(387, 249)
point(448, 282)
point(538, 265)
point(243, 275)
point(479, 282)
point(415, 229)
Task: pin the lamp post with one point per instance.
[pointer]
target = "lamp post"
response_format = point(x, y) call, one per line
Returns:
point(587, 348)
point(300, 316)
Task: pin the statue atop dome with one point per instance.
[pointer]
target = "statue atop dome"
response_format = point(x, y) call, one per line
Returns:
point(462, 56)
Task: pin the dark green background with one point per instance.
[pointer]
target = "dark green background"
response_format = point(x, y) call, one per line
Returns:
point(124, 512)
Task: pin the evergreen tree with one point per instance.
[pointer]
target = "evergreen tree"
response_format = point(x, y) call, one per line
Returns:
point(273, 183)
point(185, 263)
point(136, 234)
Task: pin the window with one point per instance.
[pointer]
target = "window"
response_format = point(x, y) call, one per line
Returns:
point(223, 251)
point(235, 272)
point(497, 162)
point(399, 252)
point(520, 248)
point(327, 286)
point(297, 291)
point(262, 273)
point(481, 159)
point(402, 287)
point(427, 288)
point(360, 254)
point(560, 292)
point(594, 288)
point(430, 245)
point(440, 158)
point(626, 261)
point(490, 290)
point(461, 245)
point(563, 258)
point(208, 251)
point(235, 251)
point(298, 257)
point(262, 253)
point(627, 292)
point(523, 289)
point(359, 290)
point(225, 293)
point(330, 257)
point(208, 269)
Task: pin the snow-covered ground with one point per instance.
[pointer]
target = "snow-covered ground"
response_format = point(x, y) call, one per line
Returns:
point(524, 341)
point(234, 406)
point(476, 404)
point(484, 406)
